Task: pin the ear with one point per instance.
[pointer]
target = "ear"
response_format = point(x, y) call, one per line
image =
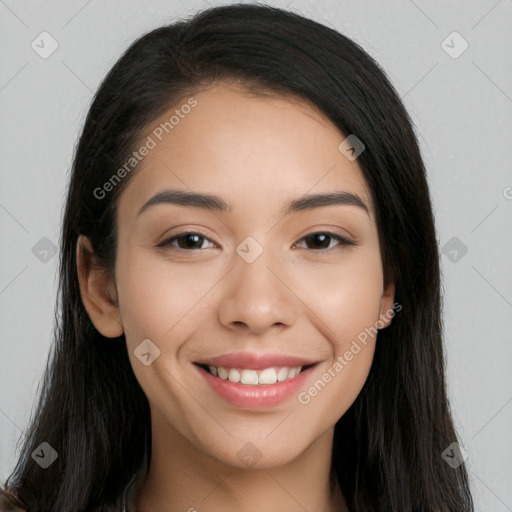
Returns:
point(98, 291)
point(387, 311)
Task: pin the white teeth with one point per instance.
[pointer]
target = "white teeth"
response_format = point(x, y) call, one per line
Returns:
point(293, 371)
point(222, 373)
point(282, 374)
point(234, 375)
point(248, 377)
point(267, 376)
point(254, 377)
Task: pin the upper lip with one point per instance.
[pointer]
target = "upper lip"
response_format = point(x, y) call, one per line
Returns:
point(255, 361)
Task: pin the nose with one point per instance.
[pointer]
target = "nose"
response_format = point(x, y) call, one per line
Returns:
point(257, 297)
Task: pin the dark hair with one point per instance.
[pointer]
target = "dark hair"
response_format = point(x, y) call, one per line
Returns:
point(387, 452)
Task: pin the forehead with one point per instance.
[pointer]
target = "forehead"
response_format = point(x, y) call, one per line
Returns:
point(255, 149)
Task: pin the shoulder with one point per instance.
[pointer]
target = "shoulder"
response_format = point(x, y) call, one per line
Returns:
point(8, 503)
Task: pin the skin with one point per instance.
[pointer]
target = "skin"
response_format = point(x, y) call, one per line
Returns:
point(257, 153)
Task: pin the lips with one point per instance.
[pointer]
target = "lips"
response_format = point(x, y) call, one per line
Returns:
point(256, 396)
point(256, 380)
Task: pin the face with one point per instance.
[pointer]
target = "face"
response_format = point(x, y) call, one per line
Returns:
point(249, 276)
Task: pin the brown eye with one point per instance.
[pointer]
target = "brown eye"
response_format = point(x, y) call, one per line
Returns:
point(322, 240)
point(185, 241)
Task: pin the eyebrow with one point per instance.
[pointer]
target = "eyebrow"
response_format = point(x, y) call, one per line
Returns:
point(216, 203)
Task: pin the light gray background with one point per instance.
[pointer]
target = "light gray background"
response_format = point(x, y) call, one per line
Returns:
point(462, 109)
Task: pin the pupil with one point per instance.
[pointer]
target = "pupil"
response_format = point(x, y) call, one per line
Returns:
point(323, 239)
point(191, 239)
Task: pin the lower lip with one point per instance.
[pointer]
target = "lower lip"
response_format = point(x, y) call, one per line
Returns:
point(256, 397)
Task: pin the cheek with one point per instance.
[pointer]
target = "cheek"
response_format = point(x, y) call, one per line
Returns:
point(344, 303)
point(345, 295)
point(162, 302)
point(156, 295)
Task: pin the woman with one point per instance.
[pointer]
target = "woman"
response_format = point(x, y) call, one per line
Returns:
point(250, 308)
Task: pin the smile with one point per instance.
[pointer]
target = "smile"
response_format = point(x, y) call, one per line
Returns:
point(255, 389)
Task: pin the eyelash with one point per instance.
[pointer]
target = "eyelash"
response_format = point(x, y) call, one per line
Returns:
point(343, 241)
